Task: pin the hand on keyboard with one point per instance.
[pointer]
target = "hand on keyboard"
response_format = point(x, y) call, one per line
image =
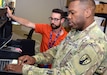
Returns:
point(14, 68)
point(26, 60)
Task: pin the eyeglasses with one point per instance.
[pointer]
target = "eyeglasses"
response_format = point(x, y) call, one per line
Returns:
point(55, 19)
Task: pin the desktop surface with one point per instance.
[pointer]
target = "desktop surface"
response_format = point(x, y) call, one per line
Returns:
point(9, 73)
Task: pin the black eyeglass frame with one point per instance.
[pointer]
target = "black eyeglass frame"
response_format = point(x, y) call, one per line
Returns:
point(55, 19)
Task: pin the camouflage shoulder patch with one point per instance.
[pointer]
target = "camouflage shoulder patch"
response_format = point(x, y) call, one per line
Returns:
point(85, 59)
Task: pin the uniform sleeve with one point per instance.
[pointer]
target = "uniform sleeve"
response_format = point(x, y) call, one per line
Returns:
point(103, 67)
point(32, 70)
point(84, 62)
point(46, 57)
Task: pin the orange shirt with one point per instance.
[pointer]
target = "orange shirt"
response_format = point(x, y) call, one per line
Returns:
point(44, 30)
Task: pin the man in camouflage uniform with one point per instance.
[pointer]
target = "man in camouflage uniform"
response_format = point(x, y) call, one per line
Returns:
point(80, 53)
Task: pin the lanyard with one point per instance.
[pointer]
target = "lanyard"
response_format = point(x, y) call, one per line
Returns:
point(51, 43)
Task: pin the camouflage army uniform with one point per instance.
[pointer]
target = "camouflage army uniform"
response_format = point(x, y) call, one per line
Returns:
point(79, 54)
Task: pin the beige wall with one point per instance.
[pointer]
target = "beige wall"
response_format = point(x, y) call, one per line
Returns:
point(37, 11)
point(102, 0)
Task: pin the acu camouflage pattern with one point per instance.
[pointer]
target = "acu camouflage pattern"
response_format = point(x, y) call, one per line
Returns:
point(79, 54)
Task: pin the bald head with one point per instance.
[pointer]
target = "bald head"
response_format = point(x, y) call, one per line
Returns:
point(87, 4)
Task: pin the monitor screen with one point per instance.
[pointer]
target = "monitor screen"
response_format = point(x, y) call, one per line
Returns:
point(3, 17)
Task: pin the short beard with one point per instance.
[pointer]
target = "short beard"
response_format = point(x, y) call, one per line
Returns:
point(55, 27)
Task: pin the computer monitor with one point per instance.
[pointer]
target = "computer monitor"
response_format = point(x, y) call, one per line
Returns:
point(5, 24)
point(3, 17)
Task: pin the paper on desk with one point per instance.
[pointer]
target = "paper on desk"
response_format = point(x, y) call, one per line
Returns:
point(99, 21)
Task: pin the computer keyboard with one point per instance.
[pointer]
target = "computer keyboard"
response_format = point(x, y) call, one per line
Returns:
point(4, 62)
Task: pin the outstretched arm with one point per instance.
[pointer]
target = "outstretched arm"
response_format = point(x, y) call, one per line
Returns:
point(20, 20)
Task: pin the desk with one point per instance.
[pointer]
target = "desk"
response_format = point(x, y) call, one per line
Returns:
point(104, 16)
point(9, 73)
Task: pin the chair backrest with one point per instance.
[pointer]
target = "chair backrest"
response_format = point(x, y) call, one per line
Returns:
point(29, 35)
